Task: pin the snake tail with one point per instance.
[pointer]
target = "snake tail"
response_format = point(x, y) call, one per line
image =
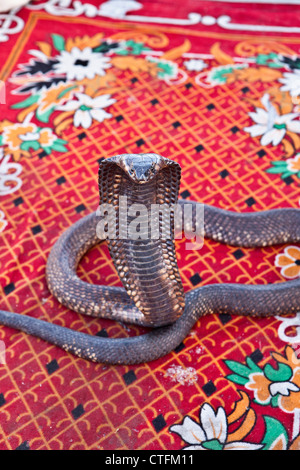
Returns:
point(231, 299)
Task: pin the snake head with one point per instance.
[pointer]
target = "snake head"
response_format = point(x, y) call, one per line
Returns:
point(141, 168)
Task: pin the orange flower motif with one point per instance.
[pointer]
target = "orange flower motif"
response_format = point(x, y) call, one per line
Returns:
point(82, 42)
point(289, 262)
point(46, 138)
point(56, 95)
point(260, 385)
point(293, 164)
point(19, 140)
point(281, 386)
point(13, 136)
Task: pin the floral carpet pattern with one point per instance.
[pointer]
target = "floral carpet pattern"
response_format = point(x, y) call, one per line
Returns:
point(212, 86)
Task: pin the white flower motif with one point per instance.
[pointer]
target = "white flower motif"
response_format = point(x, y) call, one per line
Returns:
point(291, 82)
point(87, 108)
point(270, 125)
point(79, 64)
point(211, 433)
point(195, 65)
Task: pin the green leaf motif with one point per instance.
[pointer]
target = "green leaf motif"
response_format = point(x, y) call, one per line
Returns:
point(279, 163)
point(237, 379)
point(166, 69)
point(241, 371)
point(44, 117)
point(220, 75)
point(286, 174)
point(280, 167)
point(61, 141)
point(276, 169)
point(58, 42)
point(48, 150)
point(213, 444)
point(251, 364)
point(282, 374)
point(274, 431)
point(132, 47)
point(270, 60)
point(30, 144)
point(26, 103)
point(65, 91)
point(275, 400)
point(238, 368)
point(58, 147)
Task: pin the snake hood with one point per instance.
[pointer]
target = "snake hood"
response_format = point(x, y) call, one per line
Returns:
point(146, 262)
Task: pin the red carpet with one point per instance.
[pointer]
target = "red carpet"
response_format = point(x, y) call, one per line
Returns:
point(212, 85)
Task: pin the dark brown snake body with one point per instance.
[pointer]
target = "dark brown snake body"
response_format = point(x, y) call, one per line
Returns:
point(153, 294)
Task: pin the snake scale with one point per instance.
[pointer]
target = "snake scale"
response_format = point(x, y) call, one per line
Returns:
point(153, 294)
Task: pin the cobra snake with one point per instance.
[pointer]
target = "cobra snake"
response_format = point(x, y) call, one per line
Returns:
point(153, 295)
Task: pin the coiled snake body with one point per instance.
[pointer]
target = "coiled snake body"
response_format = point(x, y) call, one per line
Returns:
point(153, 294)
